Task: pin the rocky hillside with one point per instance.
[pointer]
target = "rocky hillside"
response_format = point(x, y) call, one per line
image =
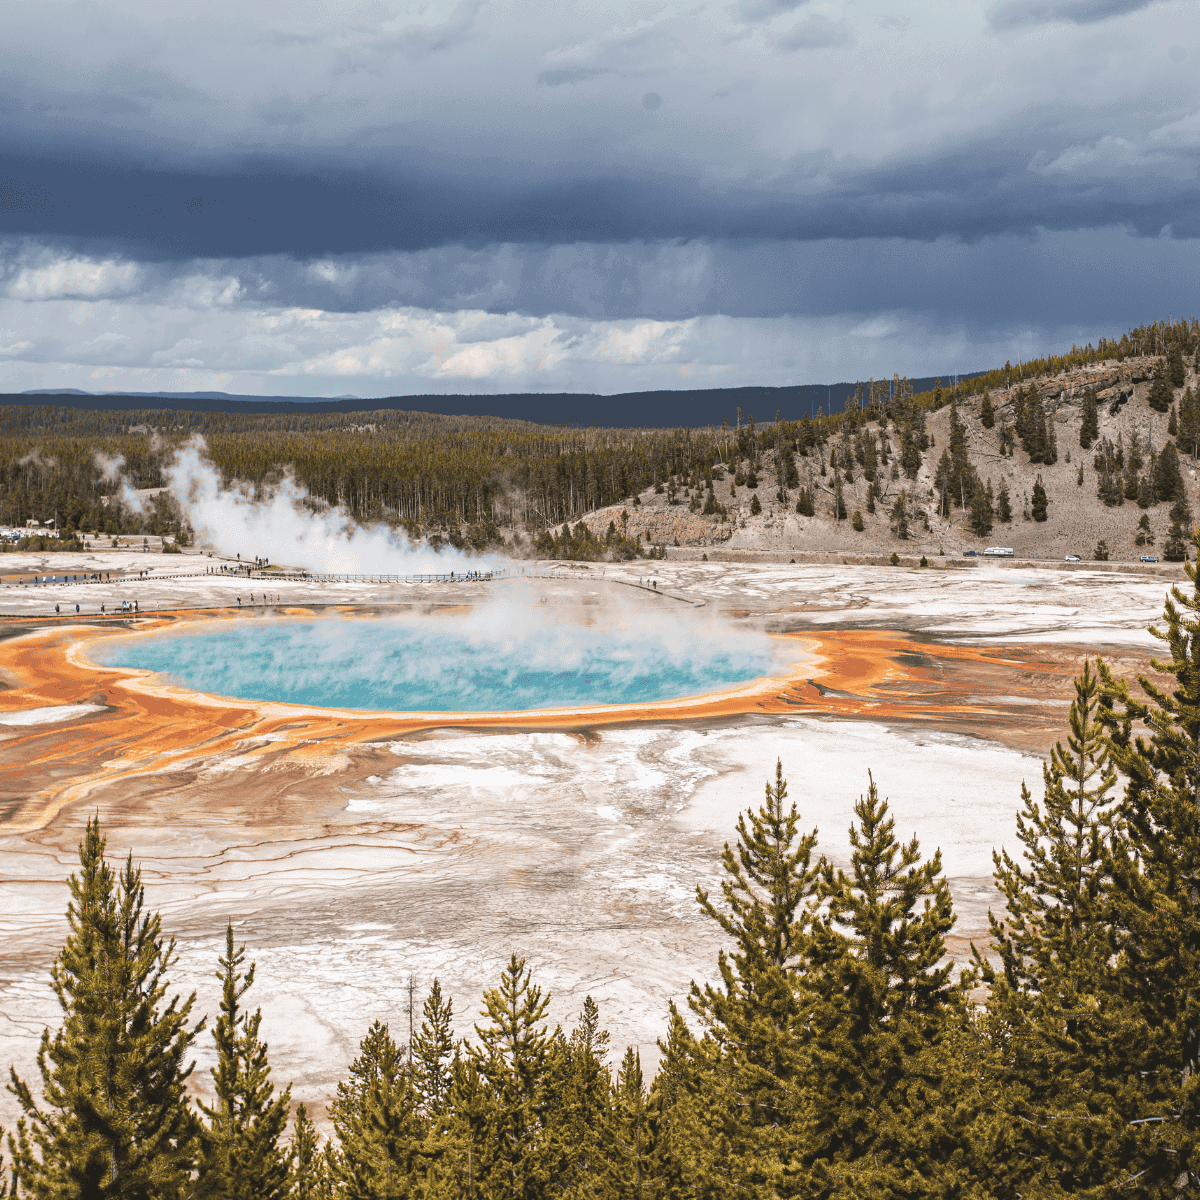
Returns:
point(1006, 450)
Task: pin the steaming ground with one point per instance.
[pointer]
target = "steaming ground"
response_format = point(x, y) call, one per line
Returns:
point(579, 850)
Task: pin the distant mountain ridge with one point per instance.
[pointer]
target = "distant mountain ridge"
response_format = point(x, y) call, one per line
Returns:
point(662, 409)
point(184, 395)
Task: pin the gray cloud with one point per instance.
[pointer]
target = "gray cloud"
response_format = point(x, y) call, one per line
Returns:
point(1096, 276)
point(1013, 14)
point(165, 181)
point(815, 32)
point(753, 11)
point(330, 130)
point(557, 76)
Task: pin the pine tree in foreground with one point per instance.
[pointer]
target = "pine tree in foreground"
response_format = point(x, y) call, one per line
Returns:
point(1155, 910)
point(882, 1001)
point(578, 1109)
point(634, 1169)
point(751, 1018)
point(1052, 1005)
point(242, 1157)
point(378, 1126)
point(680, 1159)
point(307, 1176)
point(433, 1052)
point(114, 1120)
point(511, 1061)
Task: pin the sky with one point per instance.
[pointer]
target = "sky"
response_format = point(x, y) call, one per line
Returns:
point(471, 196)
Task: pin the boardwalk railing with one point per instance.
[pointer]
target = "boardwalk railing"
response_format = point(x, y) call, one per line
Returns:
point(265, 576)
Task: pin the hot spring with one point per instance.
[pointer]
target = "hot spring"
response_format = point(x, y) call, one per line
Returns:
point(488, 661)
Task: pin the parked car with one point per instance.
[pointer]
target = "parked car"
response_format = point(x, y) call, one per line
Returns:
point(1071, 558)
point(970, 554)
point(1149, 558)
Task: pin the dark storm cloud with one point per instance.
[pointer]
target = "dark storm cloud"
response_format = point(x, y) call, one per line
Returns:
point(473, 124)
point(376, 191)
point(266, 208)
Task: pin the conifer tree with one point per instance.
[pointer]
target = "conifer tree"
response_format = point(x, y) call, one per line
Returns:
point(981, 511)
point(1155, 909)
point(1172, 423)
point(1176, 544)
point(987, 413)
point(242, 1158)
point(1050, 444)
point(578, 1109)
point(960, 464)
point(634, 1164)
point(1052, 996)
point(943, 481)
point(1089, 426)
point(1188, 438)
point(770, 879)
point(307, 1175)
point(1168, 479)
point(1176, 372)
point(900, 516)
point(378, 1124)
point(433, 1051)
point(1161, 394)
point(681, 1156)
point(1031, 426)
point(1131, 480)
point(1039, 502)
point(910, 450)
point(512, 1062)
point(1003, 502)
point(114, 1119)
point(1145, 492)
point(880, 1009)
point(462, 1145)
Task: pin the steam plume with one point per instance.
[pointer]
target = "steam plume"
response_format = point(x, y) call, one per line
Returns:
point(280, 525)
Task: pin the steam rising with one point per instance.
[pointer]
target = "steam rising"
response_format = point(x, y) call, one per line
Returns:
point(280, 524)
point(109, 465)
point(35, 458)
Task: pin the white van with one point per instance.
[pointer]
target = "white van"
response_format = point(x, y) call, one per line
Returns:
point(998, 552)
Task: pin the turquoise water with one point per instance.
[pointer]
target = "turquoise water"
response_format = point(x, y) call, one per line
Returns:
point(446, 665)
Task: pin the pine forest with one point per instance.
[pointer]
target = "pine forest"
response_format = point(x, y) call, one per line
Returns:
point(465, 481)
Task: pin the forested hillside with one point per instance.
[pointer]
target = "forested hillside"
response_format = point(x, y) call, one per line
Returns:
point(835, 1054)
point(474, 481)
